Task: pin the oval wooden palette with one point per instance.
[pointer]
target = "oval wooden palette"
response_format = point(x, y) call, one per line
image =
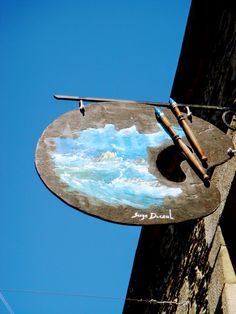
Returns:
point(118, 164)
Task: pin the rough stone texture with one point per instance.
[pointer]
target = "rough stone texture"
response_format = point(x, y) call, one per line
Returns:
point(206, 72)
point(222, 274)
point(183, 262)
point(229, 299)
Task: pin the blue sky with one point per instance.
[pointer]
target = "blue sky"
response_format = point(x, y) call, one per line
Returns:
point(116, 49)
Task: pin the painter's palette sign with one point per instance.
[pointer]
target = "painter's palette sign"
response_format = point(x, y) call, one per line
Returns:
point(105, 164)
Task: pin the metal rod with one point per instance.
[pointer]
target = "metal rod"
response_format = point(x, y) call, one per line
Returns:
point(148, 103)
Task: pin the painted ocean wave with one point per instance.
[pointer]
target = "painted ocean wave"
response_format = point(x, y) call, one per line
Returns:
point(111, 165)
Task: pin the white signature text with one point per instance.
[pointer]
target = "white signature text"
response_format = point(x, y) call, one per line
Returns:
point(152, 215)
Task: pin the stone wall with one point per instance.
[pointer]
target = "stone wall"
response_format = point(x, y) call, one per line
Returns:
point(186, 268)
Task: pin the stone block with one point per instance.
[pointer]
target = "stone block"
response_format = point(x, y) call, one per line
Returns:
point(229, 298)
point(222, 274)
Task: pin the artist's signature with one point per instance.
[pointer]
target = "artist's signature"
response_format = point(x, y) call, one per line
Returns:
point(152, 216)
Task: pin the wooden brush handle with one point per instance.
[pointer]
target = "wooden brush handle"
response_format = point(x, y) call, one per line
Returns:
point(194, 163)
point(187, 130)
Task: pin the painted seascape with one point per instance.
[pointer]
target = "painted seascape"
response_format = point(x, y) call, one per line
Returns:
point(112, 166)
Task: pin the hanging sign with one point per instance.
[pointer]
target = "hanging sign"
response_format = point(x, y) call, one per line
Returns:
point(118, 163)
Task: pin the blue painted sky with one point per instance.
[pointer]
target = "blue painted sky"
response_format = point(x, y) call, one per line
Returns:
point(116, 49)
